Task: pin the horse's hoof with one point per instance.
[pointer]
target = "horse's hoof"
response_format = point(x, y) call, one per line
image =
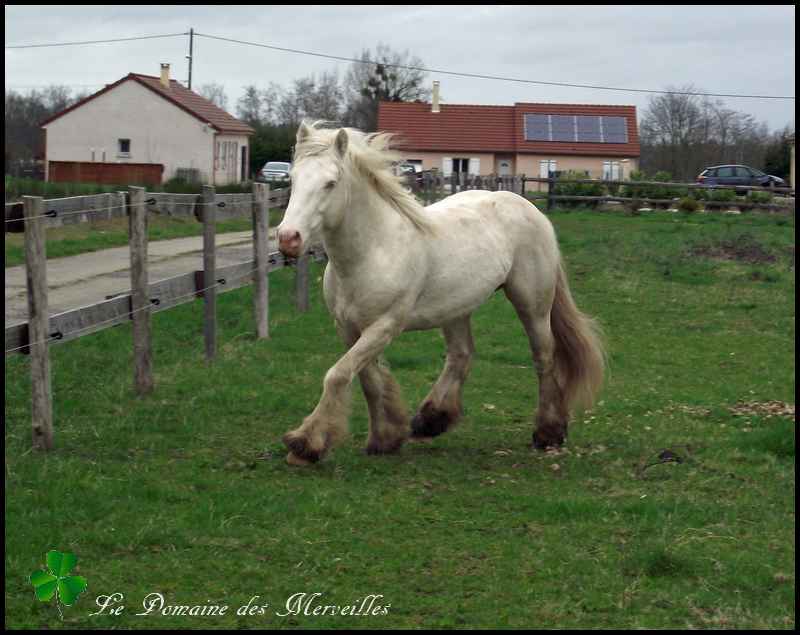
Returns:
point(545, 441)
point(293, 459)
point(299, 448)
point(430, 422)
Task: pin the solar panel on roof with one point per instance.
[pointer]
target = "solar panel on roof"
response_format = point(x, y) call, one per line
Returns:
point(572, 128)
point(615, 130)
point(537, 128)
point(588, 128)
point(562, 127)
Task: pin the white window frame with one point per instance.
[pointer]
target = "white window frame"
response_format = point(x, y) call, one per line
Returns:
point(546, 167)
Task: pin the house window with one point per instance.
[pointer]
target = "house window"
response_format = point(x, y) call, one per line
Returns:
point(611, 171)
point(546, 167)
point(461, 165)
point(124, 147)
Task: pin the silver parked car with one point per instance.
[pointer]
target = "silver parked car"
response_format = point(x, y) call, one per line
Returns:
point(275, 172)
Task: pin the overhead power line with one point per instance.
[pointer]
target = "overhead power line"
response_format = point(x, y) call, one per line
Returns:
point(409, 67)
point(494, 77)
point(123, 39)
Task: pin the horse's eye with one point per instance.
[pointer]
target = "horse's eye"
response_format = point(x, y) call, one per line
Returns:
point(330, 185)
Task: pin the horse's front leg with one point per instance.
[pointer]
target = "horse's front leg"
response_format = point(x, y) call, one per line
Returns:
point(327, 424)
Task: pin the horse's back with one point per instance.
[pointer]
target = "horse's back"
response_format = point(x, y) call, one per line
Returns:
point(477, 239)
point(505, 217)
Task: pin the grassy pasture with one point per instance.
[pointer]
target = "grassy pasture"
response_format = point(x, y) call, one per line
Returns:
point(666, 509)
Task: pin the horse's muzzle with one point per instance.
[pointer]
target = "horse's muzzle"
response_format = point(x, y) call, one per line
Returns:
point(290, 242)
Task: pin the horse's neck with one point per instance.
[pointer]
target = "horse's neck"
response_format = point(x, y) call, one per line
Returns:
point(369, 224)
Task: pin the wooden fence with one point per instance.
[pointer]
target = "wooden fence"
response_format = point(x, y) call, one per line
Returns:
point(430, 187)
point(42, 330)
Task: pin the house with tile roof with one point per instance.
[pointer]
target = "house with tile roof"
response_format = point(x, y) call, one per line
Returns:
point(146, 130)
point(534, 139)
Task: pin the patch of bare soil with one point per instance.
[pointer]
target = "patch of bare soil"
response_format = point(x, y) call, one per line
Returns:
point(764, 409)
point(742, 249)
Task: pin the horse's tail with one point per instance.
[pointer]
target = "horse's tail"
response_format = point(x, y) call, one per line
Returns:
point(580, 357)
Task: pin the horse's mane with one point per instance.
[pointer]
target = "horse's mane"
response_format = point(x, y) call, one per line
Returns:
point(369, 157)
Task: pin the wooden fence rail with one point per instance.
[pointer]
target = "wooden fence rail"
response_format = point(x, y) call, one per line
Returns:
point(430, 187)
point(42, 330)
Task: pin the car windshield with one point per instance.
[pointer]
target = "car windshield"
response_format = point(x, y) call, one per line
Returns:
point(274, 165)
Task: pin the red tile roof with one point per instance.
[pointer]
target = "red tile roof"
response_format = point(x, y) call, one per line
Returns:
point(180, 96)
point(495, 128)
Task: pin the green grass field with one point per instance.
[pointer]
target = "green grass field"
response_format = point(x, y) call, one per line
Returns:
point(186, 492)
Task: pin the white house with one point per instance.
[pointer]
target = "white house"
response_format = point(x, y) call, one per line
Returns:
point(144, 130)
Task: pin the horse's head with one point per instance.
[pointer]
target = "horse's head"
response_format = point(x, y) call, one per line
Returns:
point(318, 193)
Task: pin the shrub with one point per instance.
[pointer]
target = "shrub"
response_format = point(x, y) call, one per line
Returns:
point(578, 189)
point(688, 204)
point(757, 196)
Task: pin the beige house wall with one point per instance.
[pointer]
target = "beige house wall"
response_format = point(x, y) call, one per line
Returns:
point(160, 132)
point(434, 160)
point(228, 159)
point(527, 164)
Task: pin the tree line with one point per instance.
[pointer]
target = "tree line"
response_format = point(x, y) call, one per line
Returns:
point(679, 133)
point(684, 133)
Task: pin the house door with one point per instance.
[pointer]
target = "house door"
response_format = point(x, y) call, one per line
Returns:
point(504, 167)
point(245, 171)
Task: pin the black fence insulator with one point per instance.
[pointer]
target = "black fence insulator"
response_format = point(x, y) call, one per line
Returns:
point(52, 213)
point(155, 301)
point(221, 281)
point(151, 201)
point(58, 335)
point(221, 204)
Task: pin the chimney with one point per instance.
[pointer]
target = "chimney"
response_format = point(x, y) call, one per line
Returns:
point(165, 75)
point(435, 104)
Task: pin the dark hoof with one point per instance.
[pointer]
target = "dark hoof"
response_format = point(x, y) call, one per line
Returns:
point(298, 445)
point(430, 422)
point(543, 439)
point(374, 448)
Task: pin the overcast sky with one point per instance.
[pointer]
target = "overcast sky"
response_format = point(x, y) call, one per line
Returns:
point(720, 49)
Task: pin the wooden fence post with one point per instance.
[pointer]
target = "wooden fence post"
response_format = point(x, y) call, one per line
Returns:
point(38, 323)
point(261, 258)
point(208, 199)
point(551, 183)
point(140, 298)
point(301, 284)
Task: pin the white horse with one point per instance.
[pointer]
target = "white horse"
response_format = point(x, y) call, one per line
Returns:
point(395, 266)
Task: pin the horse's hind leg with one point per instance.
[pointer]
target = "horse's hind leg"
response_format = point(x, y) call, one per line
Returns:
point(388, 419)
point(442, 407)
point(533, 309)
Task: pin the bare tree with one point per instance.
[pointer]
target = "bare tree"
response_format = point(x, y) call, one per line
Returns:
point(214, 93)
point(379, 77)
point(250, 107)
point(24, 115)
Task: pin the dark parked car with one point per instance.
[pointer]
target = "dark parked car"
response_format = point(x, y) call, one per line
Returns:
point(275, 172)
point(404, 169)
point(738, 175)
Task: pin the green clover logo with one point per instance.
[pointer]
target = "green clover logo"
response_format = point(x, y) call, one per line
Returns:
point(56, 579)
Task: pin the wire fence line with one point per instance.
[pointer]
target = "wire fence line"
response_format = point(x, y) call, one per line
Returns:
point(245, 199)
point(150, 306)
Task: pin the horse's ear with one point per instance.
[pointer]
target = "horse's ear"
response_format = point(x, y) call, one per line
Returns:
point(303, 131)
point(341, 142)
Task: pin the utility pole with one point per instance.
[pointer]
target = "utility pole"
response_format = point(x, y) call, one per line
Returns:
point(190, 56)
